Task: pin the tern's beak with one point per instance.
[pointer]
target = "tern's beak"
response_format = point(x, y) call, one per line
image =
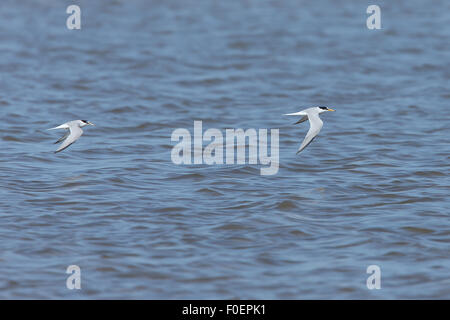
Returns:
point(91, 123)
point(329, 109)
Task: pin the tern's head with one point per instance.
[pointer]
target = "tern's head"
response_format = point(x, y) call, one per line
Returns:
point(324, 109)
point(84, 123)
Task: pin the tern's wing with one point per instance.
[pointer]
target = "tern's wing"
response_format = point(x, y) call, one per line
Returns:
point(302, 120)
point(75, 133)
point(316, 125)
point(63, 137)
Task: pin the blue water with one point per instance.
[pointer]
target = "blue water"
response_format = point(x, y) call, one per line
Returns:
point(372, 189)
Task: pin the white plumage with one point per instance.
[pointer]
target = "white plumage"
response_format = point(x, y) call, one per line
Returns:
point(73, 134)
point(311, 114)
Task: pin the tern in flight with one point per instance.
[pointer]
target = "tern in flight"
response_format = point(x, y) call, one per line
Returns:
point(74, 132)
point(311, 114)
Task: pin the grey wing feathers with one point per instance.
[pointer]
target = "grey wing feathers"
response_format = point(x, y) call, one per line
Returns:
point(75, 133)
point(63, 137)
point(302, 120)
point(306, 142)
point(316, 125)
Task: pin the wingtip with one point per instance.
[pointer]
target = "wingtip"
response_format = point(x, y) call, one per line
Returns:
point(299, 150)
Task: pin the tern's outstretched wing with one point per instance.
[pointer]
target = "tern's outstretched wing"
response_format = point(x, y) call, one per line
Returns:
point(63, 137)
point(316, 125)
point(75, 133)
point(302, 120)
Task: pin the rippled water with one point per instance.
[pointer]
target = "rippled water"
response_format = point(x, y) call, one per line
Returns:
point(372, 189)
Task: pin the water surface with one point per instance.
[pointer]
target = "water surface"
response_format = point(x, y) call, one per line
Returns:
point(371, 189)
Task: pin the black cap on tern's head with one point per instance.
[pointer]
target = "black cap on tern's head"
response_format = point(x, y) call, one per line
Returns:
point(86, 123)
point(326, 109)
